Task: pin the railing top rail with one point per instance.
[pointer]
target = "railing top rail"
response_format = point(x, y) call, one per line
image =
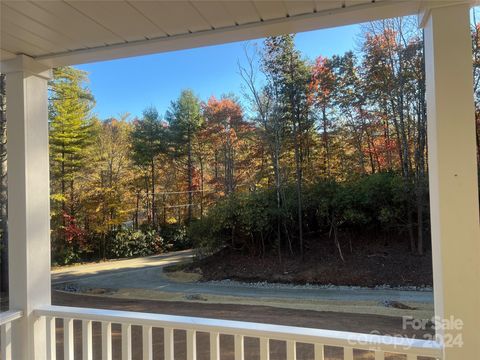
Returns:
point(277, 332)
point(9, 316)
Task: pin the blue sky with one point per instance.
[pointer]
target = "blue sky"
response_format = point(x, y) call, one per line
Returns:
point(132, 84)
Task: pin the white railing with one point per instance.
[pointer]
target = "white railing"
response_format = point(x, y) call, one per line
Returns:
point(6, 319)
point(291, 336)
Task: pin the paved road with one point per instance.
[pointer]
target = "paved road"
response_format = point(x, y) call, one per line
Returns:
point(147, 273)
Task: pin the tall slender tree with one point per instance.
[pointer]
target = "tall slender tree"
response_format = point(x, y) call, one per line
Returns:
point(291, 75)
point(70, 136)
point(148, 141)
point(185, 120)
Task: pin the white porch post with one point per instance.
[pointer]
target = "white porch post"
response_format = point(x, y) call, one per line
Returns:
point(28, 202)
point(453, 177)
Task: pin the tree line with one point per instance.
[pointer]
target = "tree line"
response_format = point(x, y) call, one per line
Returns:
point(332, 146)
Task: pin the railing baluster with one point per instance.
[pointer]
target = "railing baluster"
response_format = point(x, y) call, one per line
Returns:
point(49, 316)
point(6, 339)
point(214, 346)
point(51, 338)
point(87, 350)
point(291, 350)
point(106, 341)
point(191, 345)
point(168, 343)
point(239, 348)
point(147, 342)
point(264, 348)
point(348, 353)
point(320, 352)
point(68, 339)
point(126, 342)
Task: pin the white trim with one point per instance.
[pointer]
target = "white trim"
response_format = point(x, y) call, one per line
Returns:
point(9, 316)
point(26, 64)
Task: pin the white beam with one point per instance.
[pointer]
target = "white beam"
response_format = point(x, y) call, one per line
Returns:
point(453, 178)
point(28, 204)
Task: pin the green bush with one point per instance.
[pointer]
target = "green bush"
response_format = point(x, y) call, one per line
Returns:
point(128, 243)
point(175, 237)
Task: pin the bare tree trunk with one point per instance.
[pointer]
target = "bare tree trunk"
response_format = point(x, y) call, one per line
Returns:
point(137, 207)
point(164, 209)
point(190, 175)
point(326, 142)
point(298, 170)
point(202, 179)
point(147, 190)
point(276, 171)
point(154, 210)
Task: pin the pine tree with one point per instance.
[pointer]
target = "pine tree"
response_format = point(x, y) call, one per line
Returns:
point(148, 141)
point(185, 120)
point(70, 135)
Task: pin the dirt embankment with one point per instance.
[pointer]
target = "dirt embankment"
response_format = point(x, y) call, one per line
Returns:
point(367, 264)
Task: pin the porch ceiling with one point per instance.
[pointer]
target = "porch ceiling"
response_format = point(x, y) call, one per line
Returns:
point(68, 32)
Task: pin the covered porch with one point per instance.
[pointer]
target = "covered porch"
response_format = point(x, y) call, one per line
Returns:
point(38, 36)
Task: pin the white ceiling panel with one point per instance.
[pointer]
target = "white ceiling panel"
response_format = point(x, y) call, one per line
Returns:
point(173, 17)
point(22, 14)
point(120, 18)
point(322, 5)
point(19, 46)
point(243, 12)
point(215, 13)
point(271, 9)
point(73, 23)
point(31, 37)
point(299, 7)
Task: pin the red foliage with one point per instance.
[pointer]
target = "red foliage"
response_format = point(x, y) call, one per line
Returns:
point(73, 233)
point(323, 81)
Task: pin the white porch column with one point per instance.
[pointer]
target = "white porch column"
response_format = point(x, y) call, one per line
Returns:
point(453, 177)
point(28, 201)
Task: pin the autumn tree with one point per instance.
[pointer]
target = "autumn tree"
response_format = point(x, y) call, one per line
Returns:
point(394, 72)
point(107, 194)
point(228, 131)
point(323, 87)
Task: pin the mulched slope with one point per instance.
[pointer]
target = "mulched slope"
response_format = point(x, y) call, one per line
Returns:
point(369, 264)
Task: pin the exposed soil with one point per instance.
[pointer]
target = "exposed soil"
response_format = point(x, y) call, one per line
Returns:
point(363, 323)
point(369, 264)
